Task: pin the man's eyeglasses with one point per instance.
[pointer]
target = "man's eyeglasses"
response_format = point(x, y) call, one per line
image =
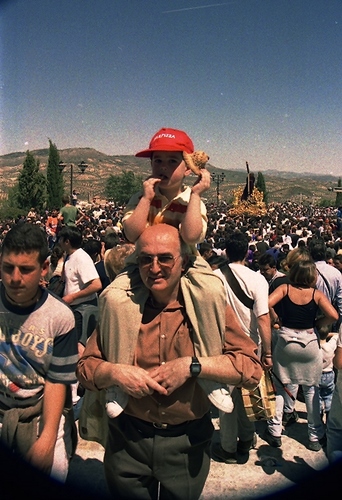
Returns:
point(164, 261)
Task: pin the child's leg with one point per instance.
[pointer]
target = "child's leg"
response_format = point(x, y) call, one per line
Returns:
point(326, 390)
point(201, 311)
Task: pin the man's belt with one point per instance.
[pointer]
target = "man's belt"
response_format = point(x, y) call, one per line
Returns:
point(161, 428)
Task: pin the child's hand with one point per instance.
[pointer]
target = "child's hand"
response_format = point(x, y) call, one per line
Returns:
point(202, 183)
point(149, 186)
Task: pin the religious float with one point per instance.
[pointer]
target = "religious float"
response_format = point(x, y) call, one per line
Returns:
point(248, 200)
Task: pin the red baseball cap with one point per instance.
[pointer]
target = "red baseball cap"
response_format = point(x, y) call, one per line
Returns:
point(168, 139)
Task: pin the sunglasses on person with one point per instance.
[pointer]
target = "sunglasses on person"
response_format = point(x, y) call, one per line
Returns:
point(165, 261)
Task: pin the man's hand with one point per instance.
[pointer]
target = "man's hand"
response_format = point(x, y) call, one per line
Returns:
point(266, 360)
point(149, 187)
point(41, 453)
point(137, 382)
point(68, 299)
point(202, 183)
point(172, 374)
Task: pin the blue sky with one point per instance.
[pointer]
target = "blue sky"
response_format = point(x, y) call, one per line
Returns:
point(255, 80)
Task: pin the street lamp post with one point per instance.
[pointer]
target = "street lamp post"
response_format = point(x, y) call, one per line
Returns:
point(82, 168)
point(218, 178)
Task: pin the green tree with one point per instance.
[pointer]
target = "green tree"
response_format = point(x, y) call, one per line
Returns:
point(31, 185)
point(261, 185)
point(120, 188)
point(9, 207)
point(338, 201)
point(325, 202)
point(54, 179)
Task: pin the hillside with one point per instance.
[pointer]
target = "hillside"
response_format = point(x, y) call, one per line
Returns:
point(281, 186)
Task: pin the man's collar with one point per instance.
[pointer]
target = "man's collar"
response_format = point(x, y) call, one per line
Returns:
point(173, 304)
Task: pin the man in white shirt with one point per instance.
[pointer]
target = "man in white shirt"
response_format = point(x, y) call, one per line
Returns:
point(237, 433)
point(82, 281)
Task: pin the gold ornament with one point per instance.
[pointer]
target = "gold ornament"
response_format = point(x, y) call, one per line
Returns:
point(254, 205)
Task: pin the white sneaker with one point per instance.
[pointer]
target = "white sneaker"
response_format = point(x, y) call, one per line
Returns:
point(116, 402)
point(218, 394)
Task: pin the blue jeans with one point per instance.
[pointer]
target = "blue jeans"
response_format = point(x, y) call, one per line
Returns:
point(289, 403)
point(326, 390)
point(311, 395)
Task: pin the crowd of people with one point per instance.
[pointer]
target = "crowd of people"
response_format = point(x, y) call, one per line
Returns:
point(285, 223)
point(161, 272)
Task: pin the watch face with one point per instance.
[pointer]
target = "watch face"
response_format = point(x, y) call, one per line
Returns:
point(195, 367)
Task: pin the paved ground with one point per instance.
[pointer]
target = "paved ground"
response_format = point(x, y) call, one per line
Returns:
point(267, 470)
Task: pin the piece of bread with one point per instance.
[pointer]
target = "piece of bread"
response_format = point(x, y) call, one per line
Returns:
point(195, 161)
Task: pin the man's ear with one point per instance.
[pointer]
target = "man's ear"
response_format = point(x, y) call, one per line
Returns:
point(187, 172)
point(45, 268)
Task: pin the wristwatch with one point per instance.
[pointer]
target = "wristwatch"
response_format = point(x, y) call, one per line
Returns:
point(195, 367)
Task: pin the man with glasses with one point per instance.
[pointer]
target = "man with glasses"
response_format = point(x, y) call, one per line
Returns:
point(160, 442)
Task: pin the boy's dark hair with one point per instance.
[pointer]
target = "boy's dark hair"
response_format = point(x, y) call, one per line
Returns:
point(267, 259)
point(26, 238)
point(204, 247)
point(217, 260)
point(111, 240)
point(236, 246)
point(92, 247)
point(324, 331)
point(317, 249)
point(72, 234)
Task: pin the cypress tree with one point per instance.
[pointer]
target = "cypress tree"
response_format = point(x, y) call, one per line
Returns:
point(31, 185)
point(55, 185)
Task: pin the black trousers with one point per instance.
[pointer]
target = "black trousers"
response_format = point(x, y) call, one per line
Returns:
point(143, 462)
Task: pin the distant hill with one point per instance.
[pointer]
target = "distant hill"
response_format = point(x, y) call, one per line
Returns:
point(281, 186)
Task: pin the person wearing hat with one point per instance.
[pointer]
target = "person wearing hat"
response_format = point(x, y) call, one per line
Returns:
point(165, 200)
point(159, 446)
point(164, 197)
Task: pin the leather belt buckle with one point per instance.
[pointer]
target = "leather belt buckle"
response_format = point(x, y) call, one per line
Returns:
point(160, 426)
